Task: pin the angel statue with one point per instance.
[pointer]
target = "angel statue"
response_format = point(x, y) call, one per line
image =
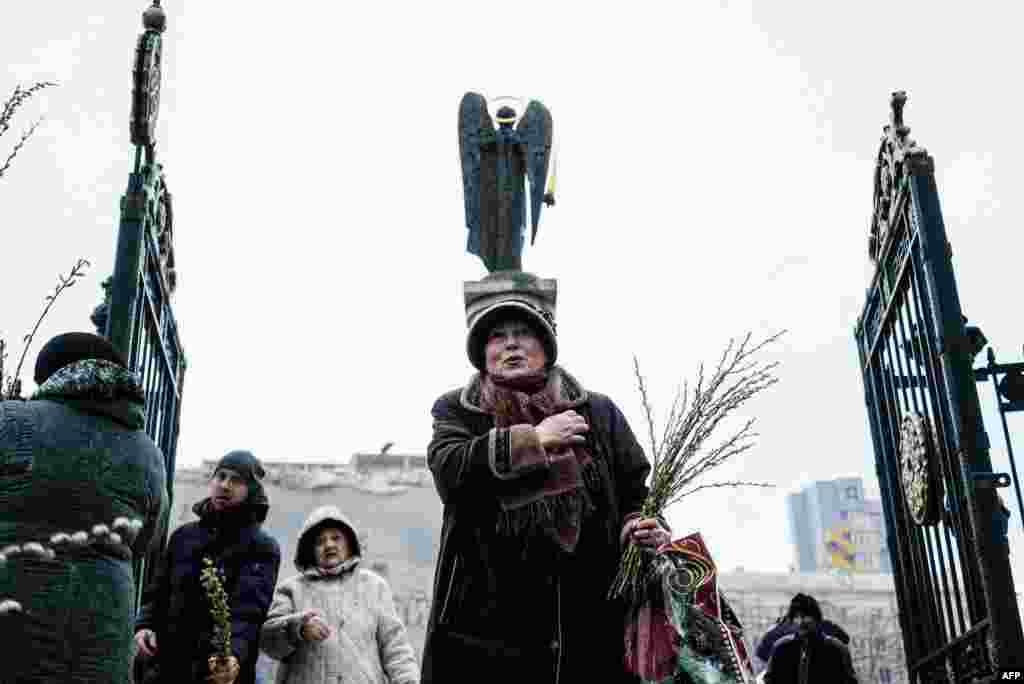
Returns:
point(495, 167)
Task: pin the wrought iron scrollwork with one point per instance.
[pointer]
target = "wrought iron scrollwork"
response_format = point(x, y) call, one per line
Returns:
point(922, 481)
point(898, 158)
point(163, 223)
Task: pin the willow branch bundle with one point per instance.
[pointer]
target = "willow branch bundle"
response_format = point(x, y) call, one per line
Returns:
point(682, 456)
point(220, 612)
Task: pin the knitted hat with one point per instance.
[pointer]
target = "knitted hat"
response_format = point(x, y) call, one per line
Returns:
point(71, 347)
point(804, 605)
point(249, 467)
point(505, 294)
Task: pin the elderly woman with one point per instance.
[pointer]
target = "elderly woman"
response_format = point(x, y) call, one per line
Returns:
point(542, 483)
point(334, 621)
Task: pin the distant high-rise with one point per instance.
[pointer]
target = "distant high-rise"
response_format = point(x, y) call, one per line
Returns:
point(834, 527)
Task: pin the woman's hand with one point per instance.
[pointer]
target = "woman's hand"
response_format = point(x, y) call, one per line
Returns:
point(562, 429)
point(314, 627)
point(145, 642)
point(644, 532)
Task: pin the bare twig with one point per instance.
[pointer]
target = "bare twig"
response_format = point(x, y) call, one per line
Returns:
point(647, 410)
point(19, 97)
point(63, 283)
point(727, 484)
point(17, 147)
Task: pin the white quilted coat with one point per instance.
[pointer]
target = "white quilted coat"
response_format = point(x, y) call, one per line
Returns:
point(369, 644)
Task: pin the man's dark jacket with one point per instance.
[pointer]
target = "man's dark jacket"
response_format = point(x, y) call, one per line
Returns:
point(808, 658)
point(511, 609)
point(764, 648)
point(69, 461)
point(175, 605)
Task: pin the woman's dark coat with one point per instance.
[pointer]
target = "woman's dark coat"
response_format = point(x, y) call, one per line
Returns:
point(69, 461)
point(509, 610)
point(175, 605)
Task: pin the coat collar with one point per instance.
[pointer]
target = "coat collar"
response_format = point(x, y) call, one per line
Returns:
point(99, 387)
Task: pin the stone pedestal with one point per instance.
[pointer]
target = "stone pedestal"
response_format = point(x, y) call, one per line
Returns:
point(480, 294)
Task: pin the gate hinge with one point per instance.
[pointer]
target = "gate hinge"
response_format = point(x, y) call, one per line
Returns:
point(990, 480)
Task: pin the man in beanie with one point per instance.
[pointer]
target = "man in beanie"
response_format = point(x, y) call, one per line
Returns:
point(175, 628)
point(542, 483)
point(810, 652)
point(82, 491)
point(801, 605)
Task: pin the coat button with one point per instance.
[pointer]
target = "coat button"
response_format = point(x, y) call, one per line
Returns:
point(555, 645)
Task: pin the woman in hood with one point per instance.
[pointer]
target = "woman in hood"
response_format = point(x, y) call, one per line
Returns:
point(336, 621)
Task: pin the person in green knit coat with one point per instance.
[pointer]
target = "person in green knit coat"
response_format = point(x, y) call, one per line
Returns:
point(82, 491)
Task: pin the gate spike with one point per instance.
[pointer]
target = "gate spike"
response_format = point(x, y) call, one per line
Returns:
point(896, 103)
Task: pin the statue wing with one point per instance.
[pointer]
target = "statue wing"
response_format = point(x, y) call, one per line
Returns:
point(474, 125)
point(535, 130)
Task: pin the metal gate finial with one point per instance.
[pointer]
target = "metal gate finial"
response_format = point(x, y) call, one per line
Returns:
point(154, 18)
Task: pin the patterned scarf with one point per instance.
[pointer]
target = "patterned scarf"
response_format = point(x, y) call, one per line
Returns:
point(558, 503)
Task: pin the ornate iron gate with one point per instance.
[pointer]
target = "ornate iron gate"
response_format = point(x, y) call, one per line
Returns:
point(140, 321)
point(958, 614)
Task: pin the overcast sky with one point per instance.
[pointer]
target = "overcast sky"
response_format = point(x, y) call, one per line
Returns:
point(714, 177)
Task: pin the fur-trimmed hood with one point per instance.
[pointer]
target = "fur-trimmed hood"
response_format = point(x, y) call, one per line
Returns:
point(98, 386)
point(318, 517)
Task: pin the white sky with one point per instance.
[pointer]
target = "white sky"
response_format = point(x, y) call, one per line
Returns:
point(715, 166)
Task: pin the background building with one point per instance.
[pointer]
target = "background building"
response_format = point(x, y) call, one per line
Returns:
point(833, 527)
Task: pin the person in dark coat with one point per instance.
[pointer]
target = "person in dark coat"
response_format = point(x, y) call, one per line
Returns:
point(542, 483)
point(175, 628)
point(787, 625)
point(82, 491)
point(809, 654)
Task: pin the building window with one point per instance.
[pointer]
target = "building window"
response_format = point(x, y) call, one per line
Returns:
point(851, 493)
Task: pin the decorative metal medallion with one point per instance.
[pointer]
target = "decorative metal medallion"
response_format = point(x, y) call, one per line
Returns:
point(898, 157)
point(146, 88)
point(922, 479)
point(165, 236)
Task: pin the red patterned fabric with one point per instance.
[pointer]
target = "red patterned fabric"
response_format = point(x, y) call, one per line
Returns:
point(686, 584)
